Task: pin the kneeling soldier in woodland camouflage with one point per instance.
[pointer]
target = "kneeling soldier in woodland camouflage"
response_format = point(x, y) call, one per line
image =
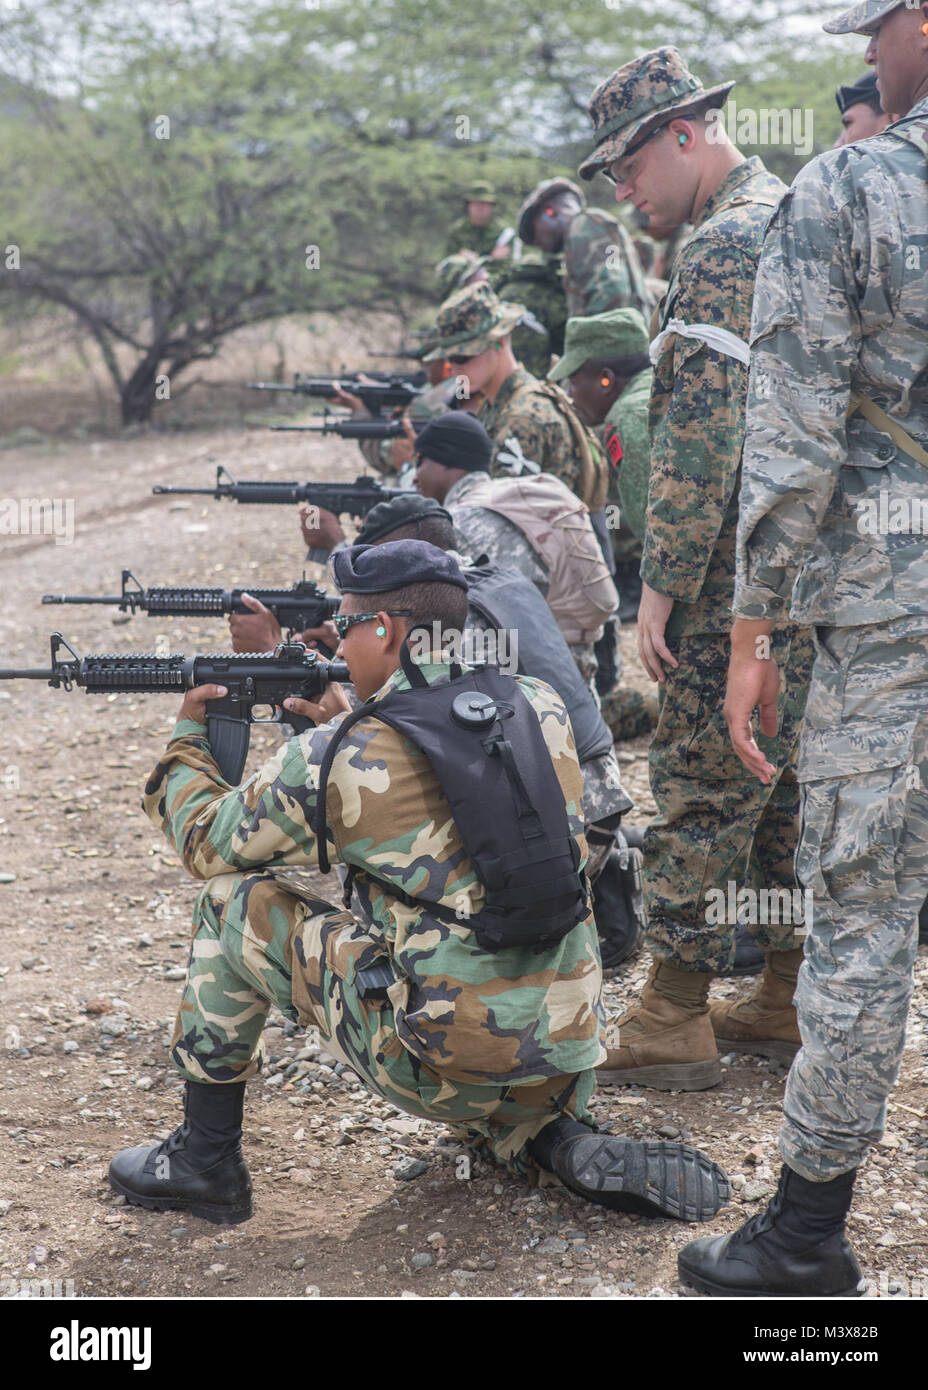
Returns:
point(468, 988)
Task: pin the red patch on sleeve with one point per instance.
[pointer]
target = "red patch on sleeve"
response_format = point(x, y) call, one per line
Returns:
point(614, 447)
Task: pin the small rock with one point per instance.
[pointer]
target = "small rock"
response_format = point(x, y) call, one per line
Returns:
point(888, 1141)
point(423, 1260)
point(754, 1191)
point(299, 1261)
point(218, 1269)
point(409, 1168)
point(70, 1046)
point(311, 1291)
point(887, 1239)
point(145, 940)
point(553, 1245)
point(276, 1080)
point(5, 1204)
point(179, 1231)
point(175, 972)
point(40, 1254)
point(668, 1130)
point(115, 1026)
point(98, 1006)
point(463, 1276)
point(7, 878)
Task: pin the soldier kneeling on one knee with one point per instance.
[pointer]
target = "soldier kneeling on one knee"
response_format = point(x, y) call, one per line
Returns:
point(466, 989)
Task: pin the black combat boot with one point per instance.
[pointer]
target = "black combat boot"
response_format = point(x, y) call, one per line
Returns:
point(199, 1167)
point(795, 1249)
point(923, 924)
point(648, 1179)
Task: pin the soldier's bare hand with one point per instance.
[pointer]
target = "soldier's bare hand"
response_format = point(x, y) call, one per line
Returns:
point(347, 398)
point(334, 701)
point(324, 635)
point(320, 527)
point(258, 633)
point(194, 706)
point(653, 613)
point(753, 683)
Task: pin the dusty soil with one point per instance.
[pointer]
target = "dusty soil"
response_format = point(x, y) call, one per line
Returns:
point(97, 919)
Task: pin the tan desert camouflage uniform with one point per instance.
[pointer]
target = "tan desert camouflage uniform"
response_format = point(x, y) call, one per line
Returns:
point(494, 1043)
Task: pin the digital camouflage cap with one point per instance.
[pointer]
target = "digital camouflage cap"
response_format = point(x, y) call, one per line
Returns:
point(548, 189)
point(470, 321)
point(647, 92)
point(599, 337)
point(862, 18)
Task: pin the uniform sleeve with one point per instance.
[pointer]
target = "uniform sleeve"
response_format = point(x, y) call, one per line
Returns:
point(216, 829)
point(806, 338)
point(697, 417)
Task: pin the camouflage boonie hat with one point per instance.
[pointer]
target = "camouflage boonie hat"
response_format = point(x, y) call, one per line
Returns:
point(862, 18)
point(617, 333)
point(480, 193)
point(547, 189)
point(647, 92)
point(454, 271)
point(471, 321)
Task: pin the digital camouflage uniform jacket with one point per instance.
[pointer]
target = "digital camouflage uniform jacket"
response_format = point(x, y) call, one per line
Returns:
point(464, 236)
point(537, 281)
point(490, 1018)
point(841, 308)
point(601, 267)
point(524, 411)
point(698, 403)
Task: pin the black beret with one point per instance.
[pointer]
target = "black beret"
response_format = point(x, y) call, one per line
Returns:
point(864, 90)
point(399, 511)
point(456, 440)
point(377, 569)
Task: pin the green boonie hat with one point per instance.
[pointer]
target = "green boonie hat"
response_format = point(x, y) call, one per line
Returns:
point(480, 193)
point(647, 92)
point(547, 189)
point(618, 333)
point(862, 18)
point(470, 321)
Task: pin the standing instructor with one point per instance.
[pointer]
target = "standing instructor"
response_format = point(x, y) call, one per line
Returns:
point(837, 434)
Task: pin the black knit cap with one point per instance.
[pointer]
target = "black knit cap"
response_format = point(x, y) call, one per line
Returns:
point(864, 90)
point(399, 511)
point(377, 569)
point(456, 440)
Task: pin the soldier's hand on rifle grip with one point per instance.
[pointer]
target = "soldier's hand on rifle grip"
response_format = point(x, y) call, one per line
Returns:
point(342, 397)
point(327, 534)
point(324, 636)
point(403, 450)
point(194, 706)
point(334, 702)
point(260, 633)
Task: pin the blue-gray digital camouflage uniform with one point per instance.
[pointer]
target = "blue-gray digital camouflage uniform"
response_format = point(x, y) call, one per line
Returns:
point(495, 1044)
point(841, 310)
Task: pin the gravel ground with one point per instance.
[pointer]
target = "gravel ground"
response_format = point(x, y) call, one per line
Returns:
point(352, 1197)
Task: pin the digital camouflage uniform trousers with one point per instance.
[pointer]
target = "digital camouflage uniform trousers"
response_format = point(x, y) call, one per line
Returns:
point(259, 942)
point(863, 852)
point(716, 824)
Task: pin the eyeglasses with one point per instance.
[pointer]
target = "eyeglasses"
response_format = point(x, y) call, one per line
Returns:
point(343, 621)
point(629, 154)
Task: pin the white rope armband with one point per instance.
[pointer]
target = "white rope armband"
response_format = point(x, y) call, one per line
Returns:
point(718, 338)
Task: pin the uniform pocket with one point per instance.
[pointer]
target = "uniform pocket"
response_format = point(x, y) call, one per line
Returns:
point(855, 785)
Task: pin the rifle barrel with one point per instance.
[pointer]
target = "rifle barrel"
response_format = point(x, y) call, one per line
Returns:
point(190, 491)
point(27, 675)
point(81, 598)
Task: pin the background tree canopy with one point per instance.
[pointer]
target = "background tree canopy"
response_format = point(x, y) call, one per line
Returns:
point(174, 171)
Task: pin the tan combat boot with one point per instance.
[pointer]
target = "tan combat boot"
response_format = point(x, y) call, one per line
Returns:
point(765, 1022)
point(664, 1042)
